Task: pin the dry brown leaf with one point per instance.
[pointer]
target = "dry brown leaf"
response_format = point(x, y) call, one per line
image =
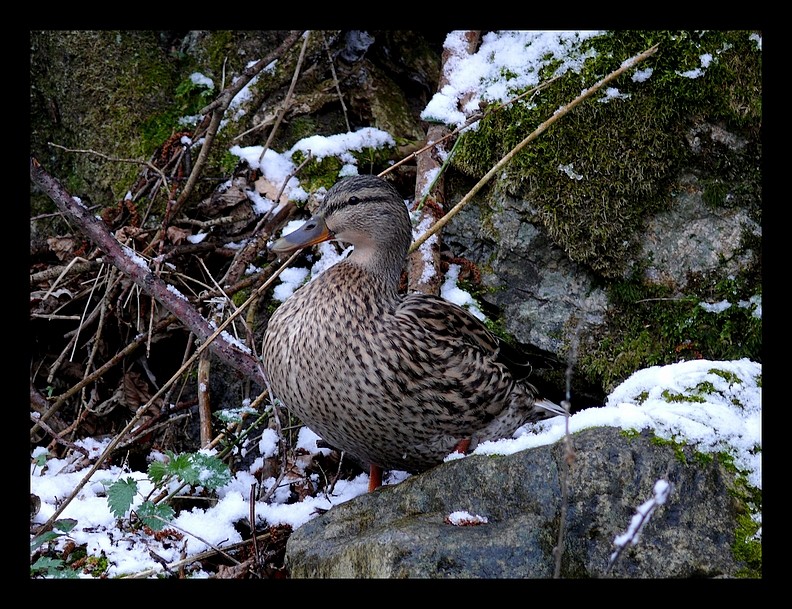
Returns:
point(136, 391)
point(125, 234)
point(63, 247)
point(234, 571)
point(177, 235)
point(267, 189)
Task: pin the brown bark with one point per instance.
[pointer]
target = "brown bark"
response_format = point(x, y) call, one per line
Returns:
point(425, 273)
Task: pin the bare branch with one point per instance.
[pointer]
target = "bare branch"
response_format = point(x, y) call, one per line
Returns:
point(135, 267)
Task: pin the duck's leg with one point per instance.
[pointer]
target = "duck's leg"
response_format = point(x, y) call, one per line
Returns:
point(375, 477)
point(462, 446)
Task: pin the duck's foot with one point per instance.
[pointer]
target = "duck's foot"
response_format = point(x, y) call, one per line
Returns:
point(375, 477)
point(462, 446)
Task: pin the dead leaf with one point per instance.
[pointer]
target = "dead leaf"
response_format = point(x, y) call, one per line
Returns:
point(62, 247)
point(136, 391)
point(177, 235)
point(269, 190)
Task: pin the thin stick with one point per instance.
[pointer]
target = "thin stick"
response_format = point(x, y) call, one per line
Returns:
point(115, 160)
point(191, 559)
point(335, 81)
point(289, 95)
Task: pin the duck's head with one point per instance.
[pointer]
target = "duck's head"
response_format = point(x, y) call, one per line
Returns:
point(365, 211)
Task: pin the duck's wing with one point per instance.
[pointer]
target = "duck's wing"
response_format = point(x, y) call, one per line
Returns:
point(448, 332)
point(449, 323)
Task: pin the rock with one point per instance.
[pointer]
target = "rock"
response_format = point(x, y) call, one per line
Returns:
point(692, 237)
point(531, 280)
point(401, 531)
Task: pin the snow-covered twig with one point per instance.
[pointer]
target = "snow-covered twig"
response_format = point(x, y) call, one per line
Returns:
point(643, 513)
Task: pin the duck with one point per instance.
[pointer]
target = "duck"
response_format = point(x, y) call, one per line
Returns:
point(398, 382)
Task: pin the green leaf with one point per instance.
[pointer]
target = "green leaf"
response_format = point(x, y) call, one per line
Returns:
point(63, 526)
point(155, 516)
point(199, 469)
point(46, 565)
point(157, 471)
point(40, 540)
point(120, 495)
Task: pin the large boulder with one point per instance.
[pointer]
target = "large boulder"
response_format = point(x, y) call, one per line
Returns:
point(409, 530)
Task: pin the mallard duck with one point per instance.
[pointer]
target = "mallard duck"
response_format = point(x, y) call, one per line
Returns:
point(397, 382)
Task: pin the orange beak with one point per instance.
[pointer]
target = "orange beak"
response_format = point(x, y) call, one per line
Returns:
point(312, 232)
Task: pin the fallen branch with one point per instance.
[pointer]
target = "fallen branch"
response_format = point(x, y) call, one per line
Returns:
point(136, 268)
point(425, 274)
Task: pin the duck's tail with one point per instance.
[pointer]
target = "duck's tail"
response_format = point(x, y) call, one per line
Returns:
point(551, 408)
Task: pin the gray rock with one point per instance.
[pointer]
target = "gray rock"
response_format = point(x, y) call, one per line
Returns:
point(692, 237)
point(532, 281)
point(402, 532)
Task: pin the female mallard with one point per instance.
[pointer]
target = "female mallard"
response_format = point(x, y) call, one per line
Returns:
point(396, 381)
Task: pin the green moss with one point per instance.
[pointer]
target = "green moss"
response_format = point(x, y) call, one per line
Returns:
point(240, 297)
point(649, 326)
point(747, 548)
point(219, 49)
point(677, 446)
point(318, 173)
point(668, 396)
point(498, 328)
point(728, 376)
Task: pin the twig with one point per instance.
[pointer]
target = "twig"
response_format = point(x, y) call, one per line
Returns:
point(288, 98)
point(643, 513)
point(194, 558)
point(56, 436)
point(567, 460)
point(61, 399)
point(135, 267)
point(87, 304)
point(217, 549)
point(224, 99)
point(335, 81)
point(252, 518)
point(62, 271)
point(116, 160)
point(563, 110)
point(260, 236)
point(144, 408)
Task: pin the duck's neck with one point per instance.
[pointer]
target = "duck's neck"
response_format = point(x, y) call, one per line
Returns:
point(383, 267)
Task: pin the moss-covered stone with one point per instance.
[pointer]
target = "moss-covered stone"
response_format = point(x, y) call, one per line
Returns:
point(102, 96)
point(627, 154)
point(648, 326)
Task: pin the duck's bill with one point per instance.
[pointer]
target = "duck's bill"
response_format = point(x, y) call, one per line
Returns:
point(312, 232)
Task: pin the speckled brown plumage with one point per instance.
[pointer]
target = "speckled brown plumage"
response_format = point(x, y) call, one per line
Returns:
point(395, 381)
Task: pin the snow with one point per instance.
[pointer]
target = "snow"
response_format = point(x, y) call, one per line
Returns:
point(505, 62)
point(714, 406)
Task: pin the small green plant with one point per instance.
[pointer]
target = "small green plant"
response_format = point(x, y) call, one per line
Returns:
point(191, 469)
point(46, 566)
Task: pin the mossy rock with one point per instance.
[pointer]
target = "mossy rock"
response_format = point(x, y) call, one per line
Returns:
point(595, 176)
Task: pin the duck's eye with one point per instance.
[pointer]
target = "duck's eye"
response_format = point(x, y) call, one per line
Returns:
point(353, 200)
